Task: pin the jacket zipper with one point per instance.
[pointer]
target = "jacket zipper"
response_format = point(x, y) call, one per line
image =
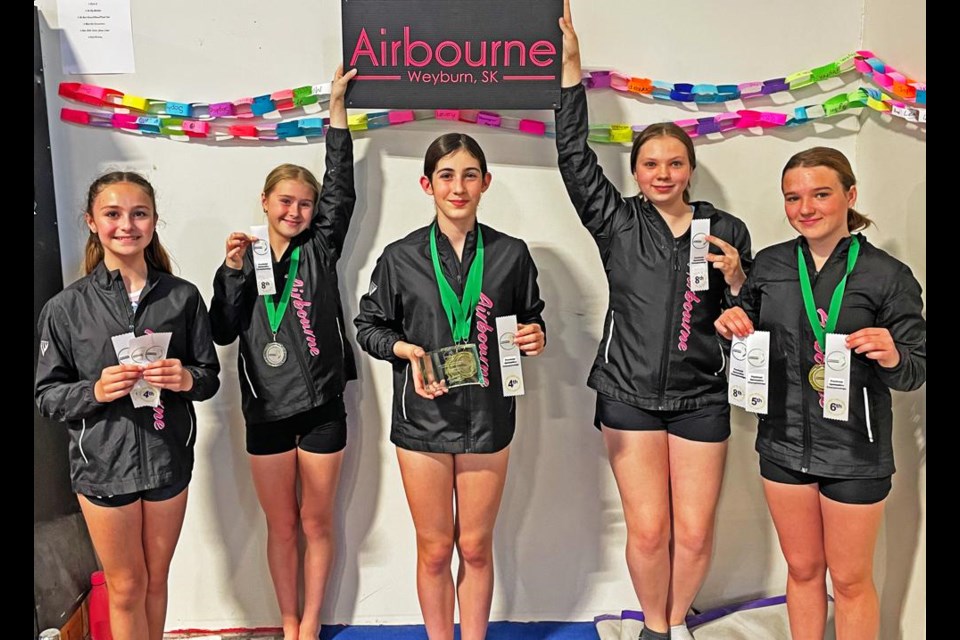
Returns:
point(606, 351)
point(805, 459)
point(468, 424)
point(131, 323)
point(305, 372)
point(665, 356)
point(807, 438)
point(866, 411)
point(807, 430)
point(243, 365)
point(468, 433)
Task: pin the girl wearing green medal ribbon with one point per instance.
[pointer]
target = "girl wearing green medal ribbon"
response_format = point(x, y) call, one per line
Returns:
point(294, 361)
point(431, 311)
point(826, 477)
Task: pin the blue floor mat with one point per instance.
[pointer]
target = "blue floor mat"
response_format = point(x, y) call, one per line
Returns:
point(497, 631)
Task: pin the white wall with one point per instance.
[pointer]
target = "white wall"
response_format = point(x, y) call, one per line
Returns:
point(560, 534)
point(892, 168)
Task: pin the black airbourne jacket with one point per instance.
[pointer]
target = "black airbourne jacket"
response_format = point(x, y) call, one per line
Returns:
point(319, 361)
point(881, 292)
point(659, 349)
point(114, 448)
point(404, 304)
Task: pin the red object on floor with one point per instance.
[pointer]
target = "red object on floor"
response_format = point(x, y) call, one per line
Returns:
point(99, 608)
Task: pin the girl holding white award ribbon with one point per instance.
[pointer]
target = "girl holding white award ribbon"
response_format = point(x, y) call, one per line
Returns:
point(846, 326)
point(659, 370)
point(433, 302)
point(130, 462)
point(282, 299)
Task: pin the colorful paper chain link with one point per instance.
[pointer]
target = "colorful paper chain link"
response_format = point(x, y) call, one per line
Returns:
point(902, 87)
point(211, 121)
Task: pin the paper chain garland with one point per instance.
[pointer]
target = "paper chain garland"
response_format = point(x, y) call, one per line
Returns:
point(223, 121)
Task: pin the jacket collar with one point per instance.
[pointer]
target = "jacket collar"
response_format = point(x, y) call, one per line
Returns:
point(839, 252)
point(106, 279)
point(701, 210)
point(297, 241)
point(445, 249)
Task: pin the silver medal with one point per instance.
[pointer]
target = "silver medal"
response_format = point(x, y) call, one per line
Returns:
point(274, 354)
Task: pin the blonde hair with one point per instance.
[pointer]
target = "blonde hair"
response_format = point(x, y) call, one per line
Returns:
point(292, 172)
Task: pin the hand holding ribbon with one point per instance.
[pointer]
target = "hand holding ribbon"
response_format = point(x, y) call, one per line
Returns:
point(237, 243)
point(877, 344)
point(728, 263)
point(116, 382)
point(734, 322)
point(168, 374)
point(530, 339)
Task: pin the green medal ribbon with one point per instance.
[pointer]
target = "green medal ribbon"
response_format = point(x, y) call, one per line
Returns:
point(807, 289)
point(459, 312)
point(275, 313)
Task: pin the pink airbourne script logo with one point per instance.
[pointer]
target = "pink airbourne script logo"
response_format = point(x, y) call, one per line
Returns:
point(453, 54)
point(494, 54)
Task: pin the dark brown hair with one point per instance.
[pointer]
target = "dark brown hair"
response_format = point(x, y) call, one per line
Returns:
point(671, 130)
point(155, 255)
point(450, 143)
point(831, 159)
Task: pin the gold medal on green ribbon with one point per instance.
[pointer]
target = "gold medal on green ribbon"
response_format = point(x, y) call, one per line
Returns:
point(816, 377)
point(458, 364)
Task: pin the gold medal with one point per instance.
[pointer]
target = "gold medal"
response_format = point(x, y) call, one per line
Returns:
point(816, 377)
point(460, 366)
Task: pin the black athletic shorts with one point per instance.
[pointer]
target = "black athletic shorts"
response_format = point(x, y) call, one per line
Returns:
point(706, 424)
point(319, 430)
point(845, 490)
point(150, 495)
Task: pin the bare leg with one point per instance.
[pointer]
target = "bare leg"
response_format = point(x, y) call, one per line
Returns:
point(796, 515)
point(319, 474)
point(696, 473)
point(275, 479)
point(428, 483)
point(850, 536)
point(116, 536)
point(641, 465)
point(479, 488)
point(162, 523)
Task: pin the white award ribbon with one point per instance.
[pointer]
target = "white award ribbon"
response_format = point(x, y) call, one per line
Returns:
point(758, 371)
point(121, 346)
point(141, 351)
point(737, 380)
point(511, 374)
point(699, 248)
point(263, 261)
point(836, 378)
